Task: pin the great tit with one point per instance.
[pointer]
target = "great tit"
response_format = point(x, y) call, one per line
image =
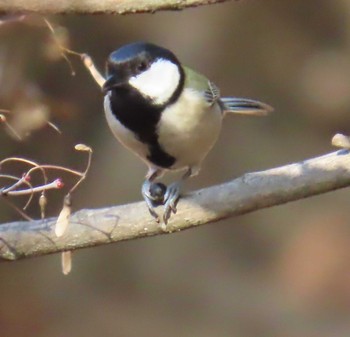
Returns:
point(167, 114)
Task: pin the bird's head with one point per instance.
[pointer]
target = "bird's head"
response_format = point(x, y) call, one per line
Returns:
point(152, 71)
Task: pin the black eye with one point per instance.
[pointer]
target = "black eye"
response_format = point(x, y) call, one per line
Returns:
point(142, 66)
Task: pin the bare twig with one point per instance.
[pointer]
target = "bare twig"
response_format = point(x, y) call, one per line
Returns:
point(63, 49)
point(90, 66)
point(30, 190)
point(98, 6)
point(82, 148)
point(3, 120)
point(56, 184)
point(249, 193)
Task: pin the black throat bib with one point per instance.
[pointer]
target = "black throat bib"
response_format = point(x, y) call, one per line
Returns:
point(141, 117)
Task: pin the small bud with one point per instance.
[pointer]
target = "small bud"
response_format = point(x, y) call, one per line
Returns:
point(26, 177)
point(42, 204)
point(42, 201)
point(83, 147)
point(59, 183)
point(2, 118)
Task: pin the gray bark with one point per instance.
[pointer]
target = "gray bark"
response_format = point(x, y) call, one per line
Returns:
point(251, 192)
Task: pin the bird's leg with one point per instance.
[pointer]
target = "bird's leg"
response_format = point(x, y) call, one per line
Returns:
point(172, 196)
point(153, 193)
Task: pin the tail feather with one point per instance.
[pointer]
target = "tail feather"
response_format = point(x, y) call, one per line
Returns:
point(245, 106)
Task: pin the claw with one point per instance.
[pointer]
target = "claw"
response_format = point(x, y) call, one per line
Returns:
point(152, 211)
point(171, 199)
point(156, 194)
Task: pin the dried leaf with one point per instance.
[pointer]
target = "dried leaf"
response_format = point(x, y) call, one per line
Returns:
point(60, 40)
point(66, 260)
point(63, 218)
point(60, 48)
point(28, 117)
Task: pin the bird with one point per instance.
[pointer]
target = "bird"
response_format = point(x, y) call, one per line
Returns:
point(167, 114)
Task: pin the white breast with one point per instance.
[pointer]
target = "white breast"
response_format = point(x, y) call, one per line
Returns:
point(126, 137)
point(189, 128)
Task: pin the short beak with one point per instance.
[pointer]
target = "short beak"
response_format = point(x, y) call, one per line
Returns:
point(110, 83)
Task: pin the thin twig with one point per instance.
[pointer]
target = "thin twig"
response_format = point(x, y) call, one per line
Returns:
point(3, 120)
point(84, 148)
point(63, 50)
point(17, 209)
point(56, 184)
point(3, 191)
point(25, 161)
point(12, 190)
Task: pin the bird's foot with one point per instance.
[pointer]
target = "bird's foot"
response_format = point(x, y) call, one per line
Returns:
point(154, 195)
point(171, 199)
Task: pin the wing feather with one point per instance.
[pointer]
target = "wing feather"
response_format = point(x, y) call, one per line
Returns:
point(242, 106)
point(245, 106)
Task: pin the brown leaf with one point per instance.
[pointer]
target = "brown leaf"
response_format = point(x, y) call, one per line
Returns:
point(66, 259)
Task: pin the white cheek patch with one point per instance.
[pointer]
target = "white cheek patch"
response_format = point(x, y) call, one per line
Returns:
point(159, 82)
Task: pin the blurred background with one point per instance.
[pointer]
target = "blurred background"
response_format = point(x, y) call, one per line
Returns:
point(282, 271)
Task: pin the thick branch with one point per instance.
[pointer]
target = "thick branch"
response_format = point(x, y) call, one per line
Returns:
point(98, 6)
point(249, 193)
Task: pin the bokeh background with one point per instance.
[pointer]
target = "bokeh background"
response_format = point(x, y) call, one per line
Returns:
point(283, 271)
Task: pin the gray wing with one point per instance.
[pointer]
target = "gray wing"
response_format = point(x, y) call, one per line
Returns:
point(212, 93)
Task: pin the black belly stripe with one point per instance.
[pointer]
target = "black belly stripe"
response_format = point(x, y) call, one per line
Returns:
point(159, 157)
point(139, 116)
